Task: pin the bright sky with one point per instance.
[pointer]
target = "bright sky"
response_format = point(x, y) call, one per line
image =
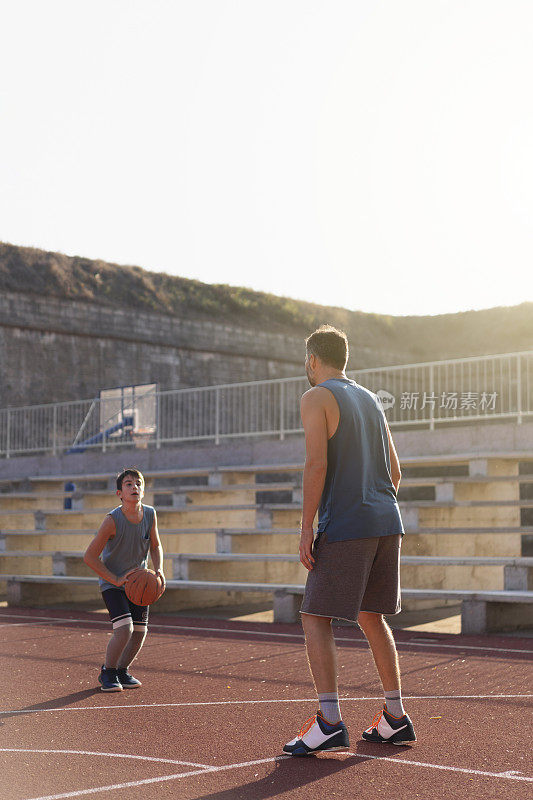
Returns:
point(371, 154)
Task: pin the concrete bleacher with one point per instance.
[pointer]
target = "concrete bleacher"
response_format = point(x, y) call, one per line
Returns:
point(481, 611)
point(437, 573)
point(230, 535)
point(171, 497)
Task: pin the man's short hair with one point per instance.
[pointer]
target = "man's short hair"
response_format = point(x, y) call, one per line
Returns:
point(135, 473)
point(330, 345)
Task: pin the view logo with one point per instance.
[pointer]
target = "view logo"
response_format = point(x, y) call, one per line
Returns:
point(387, 400)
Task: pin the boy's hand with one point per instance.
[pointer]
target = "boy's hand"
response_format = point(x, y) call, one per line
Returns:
point(120, 581)
point(159, 574)
point(306, 544)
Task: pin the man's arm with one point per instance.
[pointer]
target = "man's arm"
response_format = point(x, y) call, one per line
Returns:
point(396, 472)
point(316, 462)
point(156, 550)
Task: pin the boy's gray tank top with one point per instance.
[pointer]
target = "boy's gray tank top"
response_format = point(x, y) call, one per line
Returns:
point(129, 547)
point(358, 500)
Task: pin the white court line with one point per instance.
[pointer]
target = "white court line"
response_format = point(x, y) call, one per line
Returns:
point(194, 703)
point(20, 624)
point(98, 789)
point(153, 625)
point(507, 775)
point(106, 755)
point(155, 780)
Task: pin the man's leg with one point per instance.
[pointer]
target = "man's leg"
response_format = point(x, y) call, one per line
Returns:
point(381, 641)
point(322, 658)
point(383, 591)
point(326, 731)
point(392, 724)
point(321, 652)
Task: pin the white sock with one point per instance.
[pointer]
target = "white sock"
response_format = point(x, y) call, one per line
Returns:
point(393, 701)
point(329, 706)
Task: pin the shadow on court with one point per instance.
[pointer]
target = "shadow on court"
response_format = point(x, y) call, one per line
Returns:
point(56, 702)
point(289, 773)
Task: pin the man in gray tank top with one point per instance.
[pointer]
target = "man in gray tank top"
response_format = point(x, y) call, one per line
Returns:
point(351, 478)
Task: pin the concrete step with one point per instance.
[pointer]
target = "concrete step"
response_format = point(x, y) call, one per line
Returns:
point(478, 459)
point(504, 542)
point(409, 504)
point(200, 540)
point(417, 515)
point(91, 477)
point(417, 571)
point(448, 594)
point(464, 479)
point(485, 530)
point(23, 501)
point(477, 464)
point(448, 491)
point(214, 475)
point(215, 515)
point(244, 557)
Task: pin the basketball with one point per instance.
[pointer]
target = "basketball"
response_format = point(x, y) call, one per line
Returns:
point(144, 587)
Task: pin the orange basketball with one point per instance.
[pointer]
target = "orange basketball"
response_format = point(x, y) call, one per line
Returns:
point(144, 587)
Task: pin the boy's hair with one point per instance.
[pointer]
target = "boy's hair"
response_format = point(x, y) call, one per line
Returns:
point(330, 345)
point(135, 473)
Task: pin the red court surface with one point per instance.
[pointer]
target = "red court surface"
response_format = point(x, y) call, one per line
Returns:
point(219, 699)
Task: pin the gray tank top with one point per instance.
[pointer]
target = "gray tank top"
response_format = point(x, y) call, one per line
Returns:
point(358, 500)
point(129, 546)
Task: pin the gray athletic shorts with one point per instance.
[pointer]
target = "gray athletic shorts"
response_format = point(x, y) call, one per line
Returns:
point(352, 576)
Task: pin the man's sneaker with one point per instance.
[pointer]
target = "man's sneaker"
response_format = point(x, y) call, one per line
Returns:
point(126, 679)
point(108, 679)
point(316, 735)
point(386, 728)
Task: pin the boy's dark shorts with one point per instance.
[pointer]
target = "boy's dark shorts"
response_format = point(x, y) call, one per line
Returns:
point(122, 611)
point(354, 575)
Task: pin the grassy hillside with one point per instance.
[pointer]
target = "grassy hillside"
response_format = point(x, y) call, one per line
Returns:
point(494, 330)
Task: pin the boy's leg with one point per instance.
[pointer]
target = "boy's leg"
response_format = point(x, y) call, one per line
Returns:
point(118, 642)
point(140, 623)
point(119, 613)
point(121, 619)
point(132, 647)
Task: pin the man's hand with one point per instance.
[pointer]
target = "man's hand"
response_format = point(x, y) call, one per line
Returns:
point(306, 544)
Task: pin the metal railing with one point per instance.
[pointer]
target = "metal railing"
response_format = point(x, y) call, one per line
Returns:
point(426, 394)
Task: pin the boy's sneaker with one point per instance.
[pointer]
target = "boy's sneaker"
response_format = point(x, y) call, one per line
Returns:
point(126, 679)
point(386, 728)
point(108, 679)
point(317, 735)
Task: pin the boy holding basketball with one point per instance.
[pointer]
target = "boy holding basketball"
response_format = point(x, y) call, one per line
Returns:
point(119, 548)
